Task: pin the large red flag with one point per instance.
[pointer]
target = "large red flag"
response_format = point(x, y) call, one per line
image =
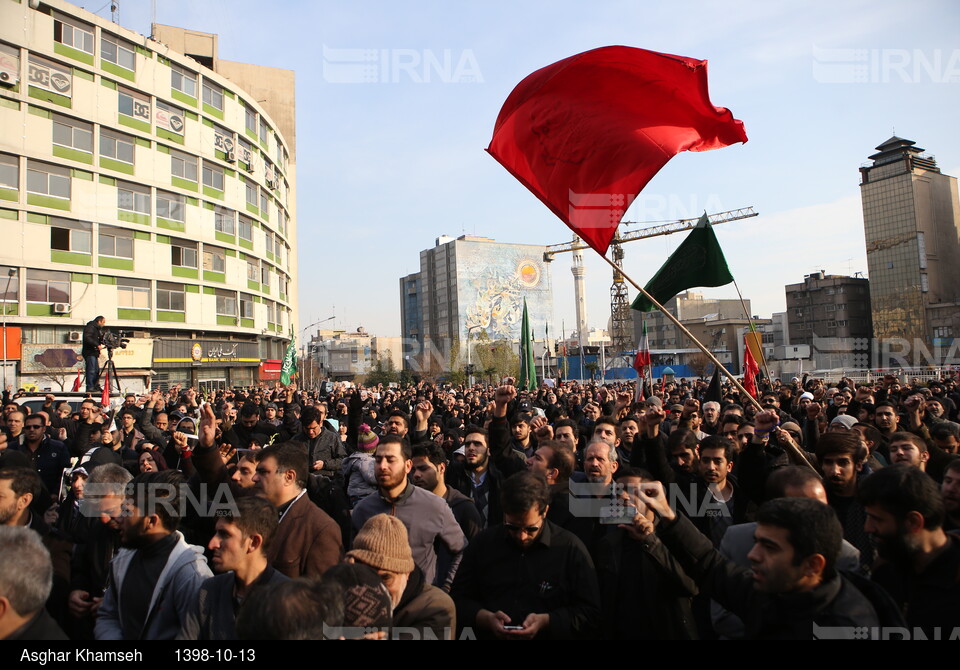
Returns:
point(587, 133)
point(750, 372)
point(76, 382)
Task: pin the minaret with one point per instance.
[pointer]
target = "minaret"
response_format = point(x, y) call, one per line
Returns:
point(579, 292)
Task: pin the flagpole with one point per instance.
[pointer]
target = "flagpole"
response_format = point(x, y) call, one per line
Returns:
point(753, 329)
point(697, 342)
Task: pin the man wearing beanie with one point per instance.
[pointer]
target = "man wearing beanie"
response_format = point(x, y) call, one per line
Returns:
point(421, 611)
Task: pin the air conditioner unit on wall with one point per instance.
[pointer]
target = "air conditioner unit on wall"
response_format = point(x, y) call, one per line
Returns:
point(61, 308)
point(232, 156)
point(9, 78)
point(74, 336)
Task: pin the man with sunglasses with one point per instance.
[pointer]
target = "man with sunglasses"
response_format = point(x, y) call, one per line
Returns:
point(527, 578)
point(49, 457)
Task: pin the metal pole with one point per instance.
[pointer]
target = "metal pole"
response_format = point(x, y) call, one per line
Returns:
point(697, 342)
point(11, 273)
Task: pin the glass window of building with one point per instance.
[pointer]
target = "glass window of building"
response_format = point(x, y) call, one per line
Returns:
point(133, 198)
point(116, 145)
point(183, 165)
point(72, 134)
point(245, 229)
point(9, 171)
point(44, 179)
point(214, 259)
point(226, 303)
point(224, 220)
point(72, 236)
point(171, 206)
point(183, 80)
point(183, 253)
point(116, 242)
point(73, 33)
point(212, 95)
point(213, 175)
point(46, 286)
point(170, 297)
point(133, 293)
point(117, 51)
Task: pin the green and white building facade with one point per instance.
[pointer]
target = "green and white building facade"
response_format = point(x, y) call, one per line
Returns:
point(142, 184)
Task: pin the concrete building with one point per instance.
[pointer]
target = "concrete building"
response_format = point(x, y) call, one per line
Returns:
point(471, 285)
point(148, 181)
point(713, 321)
point(831, 315)
point(341, 355)
point(911, 220)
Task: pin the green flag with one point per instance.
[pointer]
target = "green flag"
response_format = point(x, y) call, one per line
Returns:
point(528, 365)
point(289, 368)
point(698, 261)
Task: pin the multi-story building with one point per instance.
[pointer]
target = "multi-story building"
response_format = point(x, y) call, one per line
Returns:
point(713, 321)
point(148, 181)
point(911, 220)
point(471, 286)
point(831, 315)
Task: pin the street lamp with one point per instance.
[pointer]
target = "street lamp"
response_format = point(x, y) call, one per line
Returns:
point(11, 273)
point(304, 344)
point(469, 349)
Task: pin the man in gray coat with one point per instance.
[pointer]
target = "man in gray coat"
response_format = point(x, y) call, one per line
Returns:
point(155, 577)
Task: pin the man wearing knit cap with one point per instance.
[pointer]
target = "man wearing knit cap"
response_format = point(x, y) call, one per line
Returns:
point(421, 610)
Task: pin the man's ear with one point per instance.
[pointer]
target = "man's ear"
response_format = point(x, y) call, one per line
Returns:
point(814, 565)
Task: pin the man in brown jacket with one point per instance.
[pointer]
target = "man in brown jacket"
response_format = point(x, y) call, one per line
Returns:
point(308, 541)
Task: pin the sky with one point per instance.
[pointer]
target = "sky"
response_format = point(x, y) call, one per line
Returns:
point(391, 157)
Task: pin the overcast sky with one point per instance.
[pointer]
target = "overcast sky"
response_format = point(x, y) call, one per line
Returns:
point(389, 158)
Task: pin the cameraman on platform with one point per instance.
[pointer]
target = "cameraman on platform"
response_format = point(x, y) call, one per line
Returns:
point(92, 339)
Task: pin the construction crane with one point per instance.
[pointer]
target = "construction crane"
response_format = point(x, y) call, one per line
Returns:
point(620, 318)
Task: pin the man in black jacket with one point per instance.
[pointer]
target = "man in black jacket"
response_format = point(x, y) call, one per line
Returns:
point(793, 590)
point(92, 337)
point(526, 578)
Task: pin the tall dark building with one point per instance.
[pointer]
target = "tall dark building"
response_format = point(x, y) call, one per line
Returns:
point(831, 314)
point(910, 218)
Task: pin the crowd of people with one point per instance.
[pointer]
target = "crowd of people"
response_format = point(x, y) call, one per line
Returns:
point(431, 511)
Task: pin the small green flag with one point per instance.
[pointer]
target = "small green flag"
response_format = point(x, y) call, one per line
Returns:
point(289, 368)
point(528, 364)
point(698, 261)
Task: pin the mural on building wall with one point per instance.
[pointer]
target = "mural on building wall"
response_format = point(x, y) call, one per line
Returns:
point(494, 280)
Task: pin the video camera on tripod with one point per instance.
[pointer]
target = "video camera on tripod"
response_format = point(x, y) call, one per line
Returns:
point(112, 340)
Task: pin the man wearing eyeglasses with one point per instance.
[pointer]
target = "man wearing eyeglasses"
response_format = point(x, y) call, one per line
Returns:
point(48, 456)
point(527, 578)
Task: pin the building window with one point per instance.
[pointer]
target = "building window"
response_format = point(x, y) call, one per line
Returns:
point(263, 202)
point(263, 130)
point(265, 275)
point(70, 236)
point(226, 303)
point(133, 198)
point(214, 259)
point(250, 119)
point(116, 145)
point(245, 155)
point(10, 286)
point(169, 118)
point(183, 80)
point(9, 171)
point(72, 134)
point(252, 198)
point(253, 272)
point(246, 229)
point(45, 286)
point(223, 220)
point(170, 297)
point(213, 176)
point(133, 293)
point(116, 51)
point(133, 104)
point(171, 206)
point(73, 34)
point(268, 241)
point(183, 253)
point(212, 95)
point(183, 166)
point(49, 180)
point(116, 243)
point(246, 306)
point(271, 312)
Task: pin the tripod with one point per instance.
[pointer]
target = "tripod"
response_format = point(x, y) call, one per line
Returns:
point(111, 368)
